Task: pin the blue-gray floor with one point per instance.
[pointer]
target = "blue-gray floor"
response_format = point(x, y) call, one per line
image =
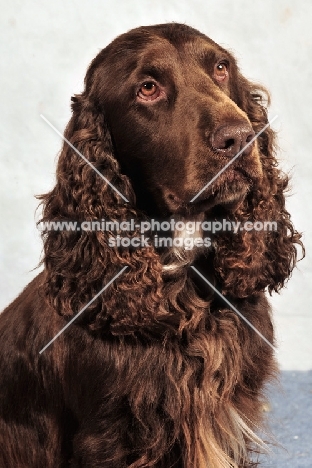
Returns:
point(291, 421)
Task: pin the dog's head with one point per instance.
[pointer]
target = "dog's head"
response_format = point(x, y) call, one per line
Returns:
point(169, 121)
point(177, 109)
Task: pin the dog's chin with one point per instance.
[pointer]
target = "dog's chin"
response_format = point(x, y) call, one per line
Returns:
point(228, 200)
point(228, 203)
point(229, 192)
point(233, 201)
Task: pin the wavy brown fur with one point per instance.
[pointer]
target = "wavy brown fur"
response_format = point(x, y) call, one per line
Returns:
point(158, 371)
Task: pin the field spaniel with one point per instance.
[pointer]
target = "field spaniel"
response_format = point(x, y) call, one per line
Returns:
point(167, 345)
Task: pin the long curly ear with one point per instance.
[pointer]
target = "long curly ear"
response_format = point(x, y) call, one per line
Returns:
point(251, 261)
point(79, 263)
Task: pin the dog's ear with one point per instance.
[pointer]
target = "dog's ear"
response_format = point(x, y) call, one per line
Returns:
point(251, 261)
point(81, 261)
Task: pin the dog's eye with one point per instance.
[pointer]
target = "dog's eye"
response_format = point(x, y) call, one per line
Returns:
point(149, 91)
point(221, 71)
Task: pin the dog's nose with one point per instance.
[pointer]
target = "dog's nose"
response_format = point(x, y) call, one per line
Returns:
point(231, 138)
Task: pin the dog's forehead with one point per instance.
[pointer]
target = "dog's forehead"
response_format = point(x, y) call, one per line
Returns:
point(165, 47)
point(203, 48)
point(158, 49)
point(196, 48)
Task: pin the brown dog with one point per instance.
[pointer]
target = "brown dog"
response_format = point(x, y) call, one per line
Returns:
point(159, 370)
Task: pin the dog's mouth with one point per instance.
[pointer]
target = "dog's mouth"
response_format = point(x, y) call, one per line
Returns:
point(228, 191)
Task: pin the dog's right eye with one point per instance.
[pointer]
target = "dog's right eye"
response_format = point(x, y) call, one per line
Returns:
point(149, 91)
point(221, 71)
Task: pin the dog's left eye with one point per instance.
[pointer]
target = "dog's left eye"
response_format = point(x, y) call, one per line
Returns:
point(221, 71)
point(149, 91)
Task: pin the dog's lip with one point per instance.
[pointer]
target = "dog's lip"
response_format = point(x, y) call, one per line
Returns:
point(208, 203)
point(203, 204)
point(210, 197)
point(212, 201)
point(234, 173)
point(231, 175)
